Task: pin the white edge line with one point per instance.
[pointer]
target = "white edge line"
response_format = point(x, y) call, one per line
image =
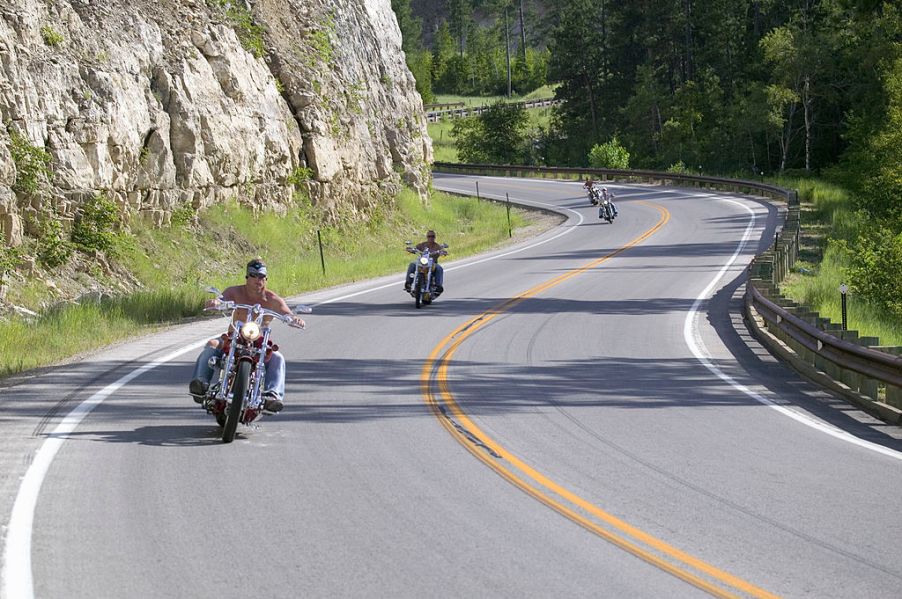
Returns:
point(18, 582)
point(692, 337)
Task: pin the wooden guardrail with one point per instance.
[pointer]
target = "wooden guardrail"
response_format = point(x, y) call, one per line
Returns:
point(454, 113)
point(856, 367)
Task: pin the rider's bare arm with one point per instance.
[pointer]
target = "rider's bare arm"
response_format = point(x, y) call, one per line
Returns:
point(281, 306)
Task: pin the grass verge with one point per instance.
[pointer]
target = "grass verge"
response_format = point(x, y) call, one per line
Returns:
point(174, 264)
point(827, 217)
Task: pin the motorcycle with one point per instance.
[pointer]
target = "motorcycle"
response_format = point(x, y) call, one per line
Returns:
point(235, 394)
point(606, 210)
point(594, 196)
point(423, 287)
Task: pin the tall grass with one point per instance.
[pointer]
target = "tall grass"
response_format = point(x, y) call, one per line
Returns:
point(175, 264)
point(67, 330)
point(827, 218)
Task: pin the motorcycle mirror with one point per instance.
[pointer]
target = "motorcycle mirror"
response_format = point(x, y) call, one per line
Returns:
point(214, 291)
point(302, 309)
point(408, 243)
point(444, 245)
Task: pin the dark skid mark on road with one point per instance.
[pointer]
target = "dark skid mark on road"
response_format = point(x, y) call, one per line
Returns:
point(466, 433)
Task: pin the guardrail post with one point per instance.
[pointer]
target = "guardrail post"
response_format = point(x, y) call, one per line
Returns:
point(850, 378)
point(831, 367)
point(893, 393)
point(869, 386)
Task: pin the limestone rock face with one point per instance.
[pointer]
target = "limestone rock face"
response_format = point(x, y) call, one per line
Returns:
point(159, 103)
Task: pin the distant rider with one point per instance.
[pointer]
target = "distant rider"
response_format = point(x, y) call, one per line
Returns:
point(608, 195)
point(589, 185)
point(435, 250)
point(253, 292)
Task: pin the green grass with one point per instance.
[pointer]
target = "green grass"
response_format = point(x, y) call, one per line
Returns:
point(443, 148)
point(827, 214)
point(820, 292)
point(175, 264)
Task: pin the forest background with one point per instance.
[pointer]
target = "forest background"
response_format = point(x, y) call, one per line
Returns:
point(747, 88)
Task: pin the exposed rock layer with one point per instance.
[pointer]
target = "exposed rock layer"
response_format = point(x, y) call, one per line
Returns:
point(162, 103)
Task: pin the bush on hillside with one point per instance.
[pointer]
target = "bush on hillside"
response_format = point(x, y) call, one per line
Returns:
point(875, 269)
point(609, 155)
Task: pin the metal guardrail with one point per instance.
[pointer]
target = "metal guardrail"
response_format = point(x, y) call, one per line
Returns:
point(791, 197)
point(454, 113)
point(871, 363)
point(828, 355)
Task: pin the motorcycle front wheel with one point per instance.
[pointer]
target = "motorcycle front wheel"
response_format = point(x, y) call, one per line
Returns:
point(418, 292)
point(239, 390)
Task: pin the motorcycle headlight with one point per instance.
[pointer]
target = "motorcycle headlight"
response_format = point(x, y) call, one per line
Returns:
point(424, 260)
point(250, 331)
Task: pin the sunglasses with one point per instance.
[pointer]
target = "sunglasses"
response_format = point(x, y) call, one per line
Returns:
point(430, 237)
point(256, 276)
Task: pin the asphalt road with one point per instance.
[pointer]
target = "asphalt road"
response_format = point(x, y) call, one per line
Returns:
point(581, 414)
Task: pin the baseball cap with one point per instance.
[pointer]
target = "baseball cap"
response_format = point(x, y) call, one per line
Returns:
point(256, 268)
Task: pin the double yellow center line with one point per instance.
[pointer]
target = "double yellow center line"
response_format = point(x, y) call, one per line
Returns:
point(437, 394)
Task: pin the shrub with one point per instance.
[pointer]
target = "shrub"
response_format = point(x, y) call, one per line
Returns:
point(9, 258)
point(875, 269)
point(183, 215)
point(51, 37)
point(32, 164)
point(299, 176)
point(498, 135)
point(321, 41)
point(609, 155)
point(242, 21)
point(95, 224)
point(53, 248)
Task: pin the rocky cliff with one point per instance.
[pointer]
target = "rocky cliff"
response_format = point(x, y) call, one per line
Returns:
point(163, 103)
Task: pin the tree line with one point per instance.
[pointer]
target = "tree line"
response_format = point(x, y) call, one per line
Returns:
point(746, 88)
point(481, 48)
point(726, 85)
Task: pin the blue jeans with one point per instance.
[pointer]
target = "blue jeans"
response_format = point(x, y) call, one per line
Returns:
point(438, 275)
point(273, 380)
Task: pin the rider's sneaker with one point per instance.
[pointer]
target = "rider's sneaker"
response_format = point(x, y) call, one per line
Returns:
point(439, 289)
point(272, 403)
point(198, 389)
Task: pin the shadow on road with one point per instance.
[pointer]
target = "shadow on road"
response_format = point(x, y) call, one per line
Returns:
point(166, 435)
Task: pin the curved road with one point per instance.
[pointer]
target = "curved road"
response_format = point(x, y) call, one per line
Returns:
point(582, 414)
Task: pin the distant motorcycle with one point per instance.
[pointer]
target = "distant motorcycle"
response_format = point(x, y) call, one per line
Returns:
point(423, 287)
point(235, 394)
point(594, 196)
